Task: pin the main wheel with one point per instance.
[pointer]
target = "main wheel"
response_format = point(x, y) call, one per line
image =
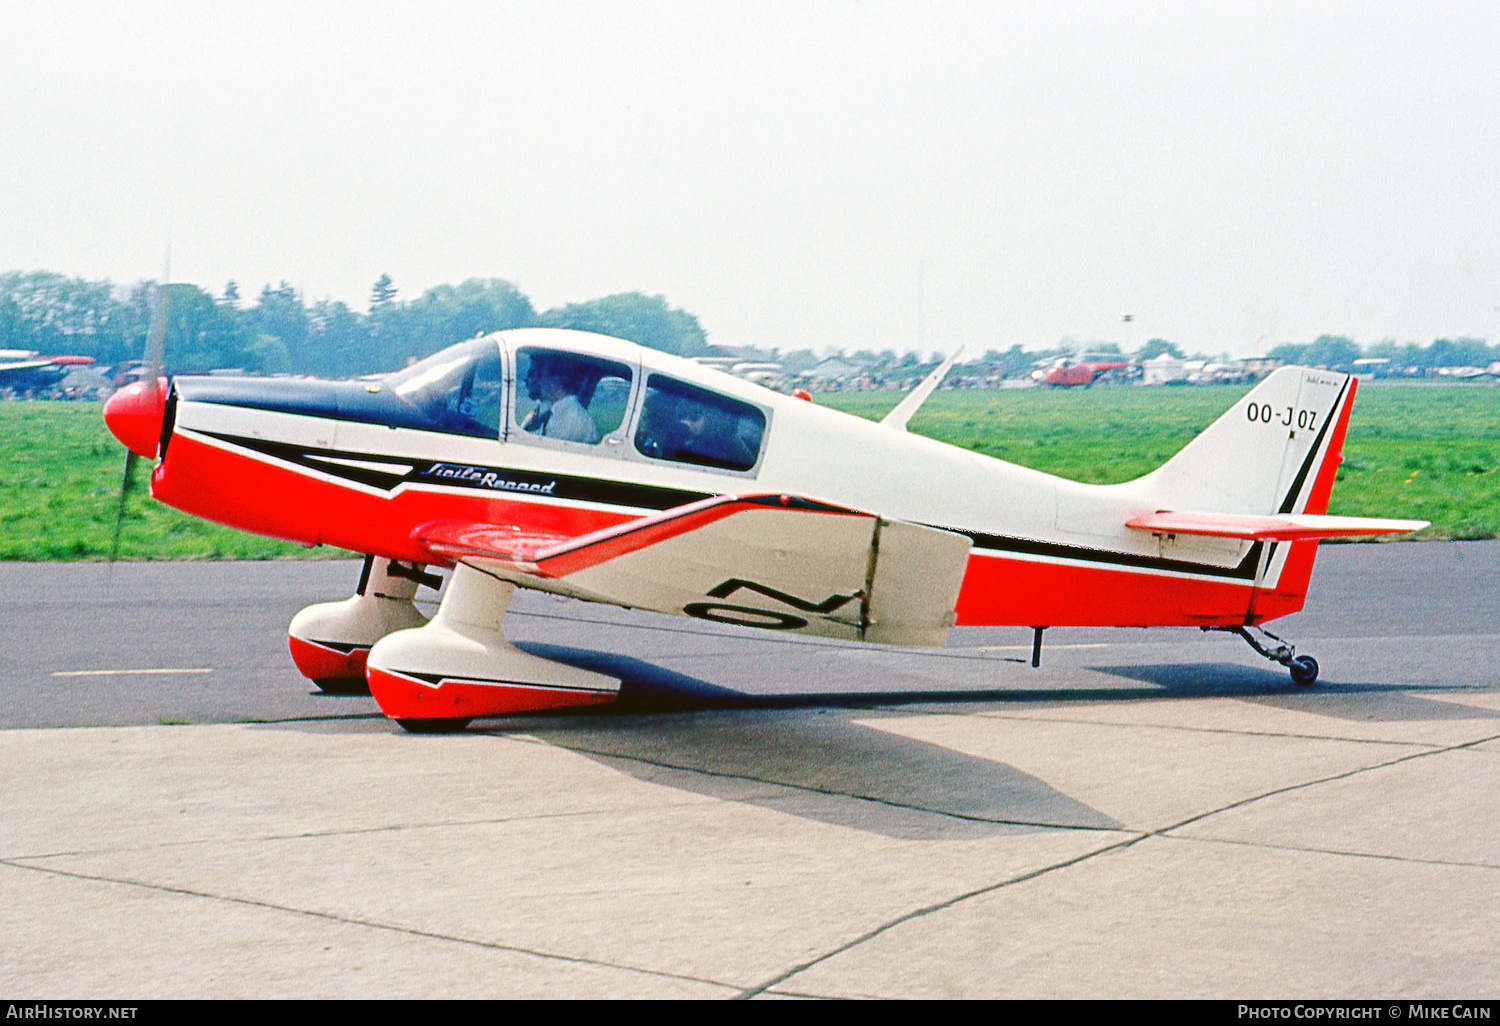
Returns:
point(343, 686)
point(434, 726)
point(1304, 671)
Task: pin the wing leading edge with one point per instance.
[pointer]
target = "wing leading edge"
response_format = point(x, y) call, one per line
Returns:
point(778, 562)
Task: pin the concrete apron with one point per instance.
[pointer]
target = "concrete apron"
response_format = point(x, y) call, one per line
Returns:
point(1202, 846)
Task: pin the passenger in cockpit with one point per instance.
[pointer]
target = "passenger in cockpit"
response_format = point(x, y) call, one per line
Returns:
point(554, 383)
point(709, 436)
point(689, 429)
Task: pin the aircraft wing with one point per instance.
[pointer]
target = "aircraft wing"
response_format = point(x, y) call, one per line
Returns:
point(1274, 527)
point(779, 562)
point(21, 369)
point(458, 540)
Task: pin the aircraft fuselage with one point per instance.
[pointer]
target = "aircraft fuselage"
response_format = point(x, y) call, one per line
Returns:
point(350, 464)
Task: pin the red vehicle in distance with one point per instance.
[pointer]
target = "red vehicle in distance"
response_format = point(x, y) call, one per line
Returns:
point(1066, 372)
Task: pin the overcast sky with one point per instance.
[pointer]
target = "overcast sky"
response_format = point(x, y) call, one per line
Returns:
point(1232, 175)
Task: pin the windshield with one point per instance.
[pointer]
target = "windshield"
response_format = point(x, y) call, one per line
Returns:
point(457, 390)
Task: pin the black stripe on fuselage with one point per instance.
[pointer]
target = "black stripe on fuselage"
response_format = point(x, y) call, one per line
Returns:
point(650, 498)
point(480, 478)
point(1244, 570)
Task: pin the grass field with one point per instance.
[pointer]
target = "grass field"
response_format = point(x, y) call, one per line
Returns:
point(1425, 451)
point(59, 489)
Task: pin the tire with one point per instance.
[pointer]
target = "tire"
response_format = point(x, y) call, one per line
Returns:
point(343, 686)
point(1304, 671)
point(434, 726)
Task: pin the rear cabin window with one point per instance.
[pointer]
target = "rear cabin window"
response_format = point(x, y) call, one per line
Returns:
point(456, 390)
point(569, 396)
point(687, 424)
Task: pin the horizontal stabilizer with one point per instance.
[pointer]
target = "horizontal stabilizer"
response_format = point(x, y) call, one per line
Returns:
point(1275, 527)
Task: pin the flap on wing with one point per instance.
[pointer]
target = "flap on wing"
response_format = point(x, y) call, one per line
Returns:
point(1273, 527)
point(779, 562)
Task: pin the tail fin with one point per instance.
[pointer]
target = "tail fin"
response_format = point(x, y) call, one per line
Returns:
point(1274, 451)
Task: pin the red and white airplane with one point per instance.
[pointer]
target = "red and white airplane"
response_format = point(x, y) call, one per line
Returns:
point(594, 468)
point(1066, 372)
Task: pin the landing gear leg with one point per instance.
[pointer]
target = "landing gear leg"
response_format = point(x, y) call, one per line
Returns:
point(436, 678)
point(1304, 669)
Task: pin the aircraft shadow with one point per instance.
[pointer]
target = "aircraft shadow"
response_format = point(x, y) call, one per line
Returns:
point(1367, 702)
point(646, 687)
point(806, 754)
point(671, 729)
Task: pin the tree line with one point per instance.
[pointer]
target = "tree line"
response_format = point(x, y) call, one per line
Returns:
point(1339, 353)
point(279, 332)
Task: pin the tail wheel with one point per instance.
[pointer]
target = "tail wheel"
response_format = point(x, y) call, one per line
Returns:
point(1304, 671)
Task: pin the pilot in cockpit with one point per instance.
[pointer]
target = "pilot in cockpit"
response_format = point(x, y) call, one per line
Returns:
point(554, 383)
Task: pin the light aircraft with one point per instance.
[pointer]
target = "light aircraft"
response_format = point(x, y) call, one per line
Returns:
point(593, 468)
point(22, 369)
point(1065, 372)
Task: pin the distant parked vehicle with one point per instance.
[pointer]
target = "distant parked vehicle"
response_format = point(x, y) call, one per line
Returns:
point(1066, 372)
point(27, 369)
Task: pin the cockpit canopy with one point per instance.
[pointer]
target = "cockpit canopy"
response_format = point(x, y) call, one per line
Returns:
point(690, 424)
point(580, 399)
point(458, 390)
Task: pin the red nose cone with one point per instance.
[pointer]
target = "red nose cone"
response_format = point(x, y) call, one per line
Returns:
point(134, 414)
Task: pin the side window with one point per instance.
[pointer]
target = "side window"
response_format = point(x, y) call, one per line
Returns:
point(569, 396)
point(456, 390)
point(688, 424)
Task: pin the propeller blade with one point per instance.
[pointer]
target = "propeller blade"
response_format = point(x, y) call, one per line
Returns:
point(154, 358)
point(125, 484)
point(156, 334)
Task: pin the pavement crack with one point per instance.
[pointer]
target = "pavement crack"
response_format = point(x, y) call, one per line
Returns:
point(1121, 845)
point(366, 923)
point(1328, 780)
point(928, 910)
point(309, 834)
point(1411, 859)
point(1192, 729)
